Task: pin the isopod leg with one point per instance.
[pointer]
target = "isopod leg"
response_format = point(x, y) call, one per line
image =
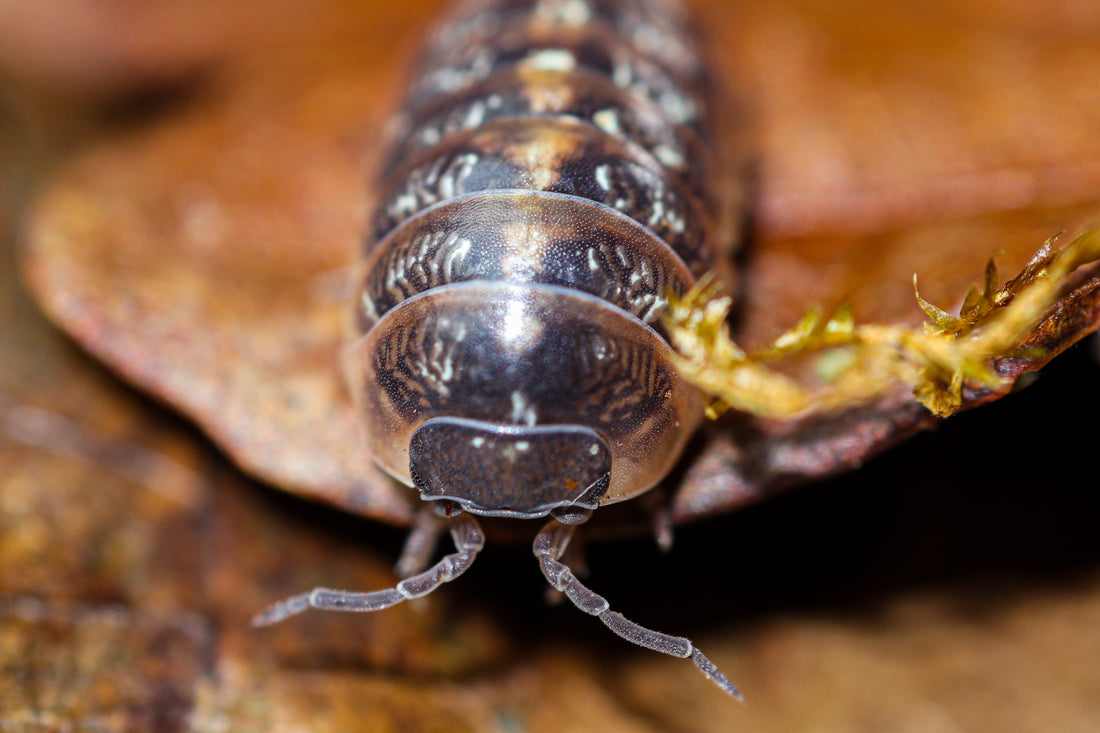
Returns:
point(659, 507)
point(549, 546)
point(421, 543)
point(468, 538)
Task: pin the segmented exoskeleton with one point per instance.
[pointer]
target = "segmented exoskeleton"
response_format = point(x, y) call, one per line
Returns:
point(547, 190)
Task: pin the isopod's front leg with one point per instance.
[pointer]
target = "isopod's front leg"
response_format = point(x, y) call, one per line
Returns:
point(550, 544)
point(468, 538)
point(658, 505)
point(421, 543)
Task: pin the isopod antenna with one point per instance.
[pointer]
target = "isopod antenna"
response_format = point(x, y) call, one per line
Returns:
point(550, 545)
point(468, 538)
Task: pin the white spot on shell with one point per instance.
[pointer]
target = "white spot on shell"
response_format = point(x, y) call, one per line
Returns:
point(655, 308)
point(453, 262)
point(622, 75)
point(668, 156)
point(608, 121)
point(657, 213)
point(678, 108)
point(475, 115)
point(593, 263)
point(369, 311)
point(523, 412)
point(451, 181)
point(675, 222)
point(569, 12)
point(552, 59)
point(430, 135)
point(603, 176)
point(477, 442)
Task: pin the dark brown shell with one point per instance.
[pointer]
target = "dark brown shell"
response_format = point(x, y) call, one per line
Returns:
point(201, 254)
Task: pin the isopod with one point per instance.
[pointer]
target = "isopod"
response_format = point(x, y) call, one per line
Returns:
point(544, 199)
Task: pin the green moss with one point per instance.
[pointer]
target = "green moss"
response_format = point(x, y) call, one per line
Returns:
point(859, 363)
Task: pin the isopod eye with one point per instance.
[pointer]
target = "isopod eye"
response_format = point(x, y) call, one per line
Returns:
point(509, 470)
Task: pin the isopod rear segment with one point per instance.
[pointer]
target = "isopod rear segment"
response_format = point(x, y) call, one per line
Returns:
point(546, 193)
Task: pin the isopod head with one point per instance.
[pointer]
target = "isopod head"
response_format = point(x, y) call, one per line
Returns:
point(511, 471)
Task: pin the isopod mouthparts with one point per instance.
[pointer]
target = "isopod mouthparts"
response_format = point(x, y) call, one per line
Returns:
point(544, 198)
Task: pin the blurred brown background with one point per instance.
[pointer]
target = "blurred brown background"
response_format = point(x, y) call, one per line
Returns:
point(951, 585)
